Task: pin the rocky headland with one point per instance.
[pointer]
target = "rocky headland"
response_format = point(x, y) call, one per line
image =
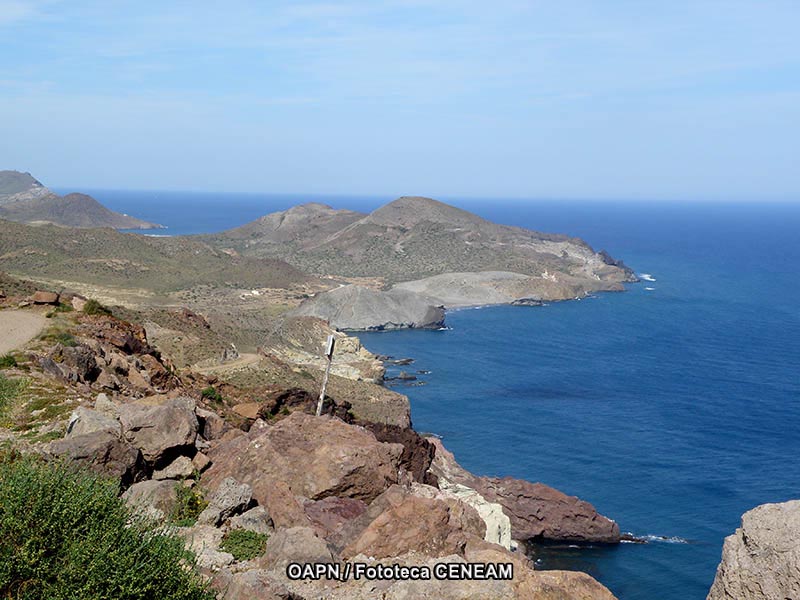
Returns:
point(26, 200)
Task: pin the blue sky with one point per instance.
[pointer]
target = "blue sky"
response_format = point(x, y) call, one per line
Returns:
point(568, 98)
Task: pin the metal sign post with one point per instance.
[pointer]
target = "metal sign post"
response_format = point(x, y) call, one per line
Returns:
point(329, 355)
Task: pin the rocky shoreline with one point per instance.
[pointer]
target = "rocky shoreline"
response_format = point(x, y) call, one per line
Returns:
point(338, 488)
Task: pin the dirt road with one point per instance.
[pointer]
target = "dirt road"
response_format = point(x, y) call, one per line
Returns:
point(18, 327)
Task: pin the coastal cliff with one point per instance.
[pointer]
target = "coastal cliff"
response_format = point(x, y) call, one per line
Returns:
point(760, 560)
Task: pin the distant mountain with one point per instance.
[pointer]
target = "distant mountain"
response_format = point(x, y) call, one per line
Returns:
point(414, 238)
point(26, 200)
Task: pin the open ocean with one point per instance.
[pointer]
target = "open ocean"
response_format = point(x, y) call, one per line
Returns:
point(673, 409)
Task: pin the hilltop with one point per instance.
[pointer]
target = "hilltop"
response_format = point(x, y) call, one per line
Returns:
point(26, 200)
point(418, 254)
point(412, 238)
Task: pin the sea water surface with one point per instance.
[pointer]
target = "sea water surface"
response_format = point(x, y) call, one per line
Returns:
point(673, 407)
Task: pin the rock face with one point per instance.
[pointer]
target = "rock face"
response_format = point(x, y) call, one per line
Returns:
point(537, 512)
point(761, 560)
point(353, 307)
point(338, 460)
point(417, 451)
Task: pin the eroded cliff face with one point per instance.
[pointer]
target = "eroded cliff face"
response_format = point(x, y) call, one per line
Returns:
point(761, 560)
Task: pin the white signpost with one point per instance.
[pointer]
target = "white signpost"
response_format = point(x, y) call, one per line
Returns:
point(329, 355)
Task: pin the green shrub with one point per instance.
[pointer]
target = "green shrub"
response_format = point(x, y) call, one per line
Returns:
point(211, 394)
point(67, 535)
point(189, 505)
point(7, 361)
point(244, 544)
point(93, 307)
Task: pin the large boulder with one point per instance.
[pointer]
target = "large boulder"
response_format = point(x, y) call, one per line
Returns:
point(42, 297)
point(160, 432)
point(761, 560)
point(316, 457)
point(103, 452)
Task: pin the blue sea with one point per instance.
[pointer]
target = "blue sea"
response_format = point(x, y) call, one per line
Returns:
point(673, 407)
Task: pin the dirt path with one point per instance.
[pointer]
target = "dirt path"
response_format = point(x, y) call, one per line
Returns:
point(18, 327)
point(244, 360)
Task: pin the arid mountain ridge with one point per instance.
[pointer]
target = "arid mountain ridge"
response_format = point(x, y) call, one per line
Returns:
point(26, 200)
point(419, 255)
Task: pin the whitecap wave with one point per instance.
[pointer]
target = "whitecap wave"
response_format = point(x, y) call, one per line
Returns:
point(646, 277)
point(665, 539)
point(649, 289)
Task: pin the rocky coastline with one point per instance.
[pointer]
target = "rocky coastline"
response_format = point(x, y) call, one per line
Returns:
point(339, 488)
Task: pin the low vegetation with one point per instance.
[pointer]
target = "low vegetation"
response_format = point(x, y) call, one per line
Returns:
point(57, 336)
point(7, 361)
point(211, 395)
point(61, 308)
point(10, 389)
point(93, 307)
point(189, 505)
point(67, 535)
point(243, 544)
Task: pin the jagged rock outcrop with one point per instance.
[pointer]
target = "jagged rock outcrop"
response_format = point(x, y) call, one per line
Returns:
point(761, 560)
point(537, 512)
point(337, 459)
point(353, 307)
point(417, 453)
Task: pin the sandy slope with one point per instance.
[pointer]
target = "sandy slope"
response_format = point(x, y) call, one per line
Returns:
point(18, 327)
